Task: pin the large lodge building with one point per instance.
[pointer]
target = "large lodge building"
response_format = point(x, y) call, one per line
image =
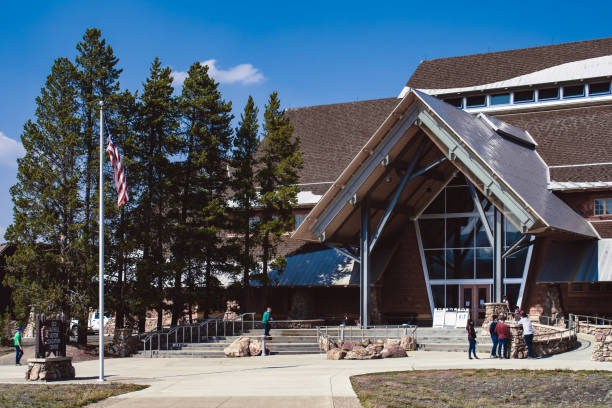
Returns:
point(489, 176)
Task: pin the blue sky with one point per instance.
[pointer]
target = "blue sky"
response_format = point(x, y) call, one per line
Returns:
point(310, 52)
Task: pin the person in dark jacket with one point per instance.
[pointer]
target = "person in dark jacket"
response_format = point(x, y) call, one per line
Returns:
point(493, 336)
point(471, 339)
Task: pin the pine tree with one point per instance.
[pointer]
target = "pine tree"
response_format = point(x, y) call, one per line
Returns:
point(277, 177)
point(46, 271)
point(206, 143)
point(98, 80)
point(156, 141)
point(243, 163)
point(120, 246)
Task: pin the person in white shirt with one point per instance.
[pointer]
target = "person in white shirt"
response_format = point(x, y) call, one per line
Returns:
point(527, 332)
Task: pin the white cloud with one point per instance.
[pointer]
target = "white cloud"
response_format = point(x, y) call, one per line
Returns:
point(10, 150)
point(242, 73)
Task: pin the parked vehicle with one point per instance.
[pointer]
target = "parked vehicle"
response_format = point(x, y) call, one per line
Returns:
point(93, 323)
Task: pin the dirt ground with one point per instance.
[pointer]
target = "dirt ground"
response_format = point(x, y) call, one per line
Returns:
point(485, 388)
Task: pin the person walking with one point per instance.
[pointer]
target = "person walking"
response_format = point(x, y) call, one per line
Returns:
point(527, 333)
point(18, 346)
point(503, 333)
point(494, 339)
point(471, 339)
point(266, 321)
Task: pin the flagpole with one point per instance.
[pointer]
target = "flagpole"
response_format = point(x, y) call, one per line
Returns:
point(101, 253)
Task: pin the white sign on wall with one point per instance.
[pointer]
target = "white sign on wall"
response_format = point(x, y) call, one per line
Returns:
point(438, 318)
point(450, 318)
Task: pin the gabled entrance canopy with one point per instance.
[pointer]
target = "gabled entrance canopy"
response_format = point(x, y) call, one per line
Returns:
point(416, 152)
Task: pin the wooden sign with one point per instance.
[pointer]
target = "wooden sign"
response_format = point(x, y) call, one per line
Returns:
point(50, 336)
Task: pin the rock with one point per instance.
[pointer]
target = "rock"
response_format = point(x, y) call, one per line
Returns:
point(336, 354)
point(34, 372)
point(326, 344)
point(391, 343)
point(365, 342)
point(239, 348)
point(408, 343)
point(393, 351)
point(348, 345)
point(255, 347)
point(375, 350)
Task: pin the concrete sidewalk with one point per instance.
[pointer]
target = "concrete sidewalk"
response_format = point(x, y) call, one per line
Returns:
point(277, 381)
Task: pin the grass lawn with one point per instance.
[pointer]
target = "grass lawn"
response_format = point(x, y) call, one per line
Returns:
point(60, 395)
point(485, 388)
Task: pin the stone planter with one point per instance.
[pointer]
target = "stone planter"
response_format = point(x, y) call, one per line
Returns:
point(50, 369)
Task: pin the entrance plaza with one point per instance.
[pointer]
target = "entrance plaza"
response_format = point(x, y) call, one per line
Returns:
point(279, 381)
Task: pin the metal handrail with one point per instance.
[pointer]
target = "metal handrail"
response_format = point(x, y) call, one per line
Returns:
point(199, 326)
point(388, 331)
point(594, 320)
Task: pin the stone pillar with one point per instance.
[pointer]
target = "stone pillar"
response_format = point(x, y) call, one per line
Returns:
point(493, 309)
point(516, 344)
point(602, 348)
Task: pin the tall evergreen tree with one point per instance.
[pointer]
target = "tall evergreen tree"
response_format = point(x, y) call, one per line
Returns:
point(155, 143)
point(206, 143)
point(243, 163)
point(98, 80)
point(46, 269)
point(277, 177)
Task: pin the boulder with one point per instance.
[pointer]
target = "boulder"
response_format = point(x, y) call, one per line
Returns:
point(393, 351)
point(408, 343)
point(255, 347)
point(365, 342)
point(375, 350)
point(348, 345)
point(336, 354)
point(326, 344)
point(239, 348)
point(391, 343)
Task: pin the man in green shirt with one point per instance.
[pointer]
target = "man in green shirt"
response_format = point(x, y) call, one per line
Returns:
point(18, 348)
point(266, 322)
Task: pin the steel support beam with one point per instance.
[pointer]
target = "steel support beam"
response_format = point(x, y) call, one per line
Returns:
point(520, 244)
point(497, 250)
point(396, 195)
point(342, 251)
point(483, 217)
point(364, 265)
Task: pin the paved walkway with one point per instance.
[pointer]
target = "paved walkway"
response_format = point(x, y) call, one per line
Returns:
point(277, 381)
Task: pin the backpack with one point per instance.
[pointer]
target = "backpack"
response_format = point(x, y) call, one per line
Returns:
point(492, 328)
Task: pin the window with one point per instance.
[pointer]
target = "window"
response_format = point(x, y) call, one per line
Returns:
point(548, 94)
point(599, 88)
point(603, 206)
point(456, 102)
point(298, 220)
point(500, 99)
point(253, 221)
point(476, 101)
point(524, 96)
point(574, 91)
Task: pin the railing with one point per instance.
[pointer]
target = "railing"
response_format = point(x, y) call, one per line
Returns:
point(594, 320)
point(204, 331)
point(373, 332)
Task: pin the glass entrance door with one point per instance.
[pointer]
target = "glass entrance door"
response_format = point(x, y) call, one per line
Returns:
point(473, 298)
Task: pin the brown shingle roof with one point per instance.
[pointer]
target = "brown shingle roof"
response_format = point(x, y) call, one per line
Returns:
point(578, 135)
point(331, 135)
point(478, 69)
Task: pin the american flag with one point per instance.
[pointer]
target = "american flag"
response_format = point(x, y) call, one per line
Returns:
point(118, 174)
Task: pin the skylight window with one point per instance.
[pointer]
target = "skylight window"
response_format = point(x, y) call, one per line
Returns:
point(500, 99)
point(548, 94)
point(599, 88)
point(456, 102)
point(574, 91)
point(476, 101)
point(524, 96)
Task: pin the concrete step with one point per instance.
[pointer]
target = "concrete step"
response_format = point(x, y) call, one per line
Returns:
point(480, 348)
point(274, 339)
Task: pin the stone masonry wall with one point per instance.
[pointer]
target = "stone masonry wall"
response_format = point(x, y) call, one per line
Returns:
point(602, 349)
point(548, 340)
